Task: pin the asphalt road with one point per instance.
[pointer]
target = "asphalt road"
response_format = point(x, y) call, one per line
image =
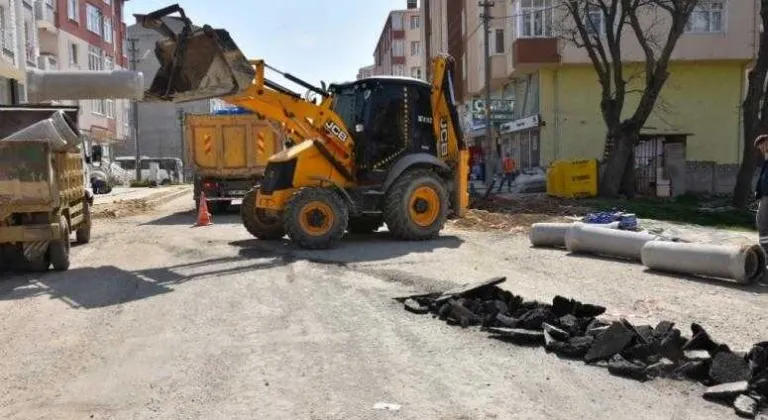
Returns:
point(156, 319)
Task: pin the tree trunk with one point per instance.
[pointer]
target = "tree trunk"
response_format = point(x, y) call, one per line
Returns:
point(619, 169)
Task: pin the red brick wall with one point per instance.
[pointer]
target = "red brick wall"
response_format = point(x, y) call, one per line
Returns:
point(80, 29)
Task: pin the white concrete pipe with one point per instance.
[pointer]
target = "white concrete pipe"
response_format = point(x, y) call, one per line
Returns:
point(591, 239)
point(744, 264)
point(58, 130)
point(553, 234)
point(44, 86)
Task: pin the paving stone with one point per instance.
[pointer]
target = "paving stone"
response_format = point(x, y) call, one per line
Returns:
point(610, 343)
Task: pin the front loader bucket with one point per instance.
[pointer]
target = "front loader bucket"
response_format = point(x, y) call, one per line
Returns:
point(195, 64)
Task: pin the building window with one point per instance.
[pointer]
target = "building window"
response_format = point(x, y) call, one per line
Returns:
point(416, 72)
point(707, 17)
point(595, 21)
point(125, 47)
point(29, 44)
point(498, 41)
point(73, 55)
point(397, 48)
point(108, 30)
point(397, 22)
point(398, 70)
point(415, 22)
point(6, 36)
point(95, 58)
point(415, 47)
point(94, 17)
point(109, 63)
point(72, 12)
point(534, 18)
point(109, 108)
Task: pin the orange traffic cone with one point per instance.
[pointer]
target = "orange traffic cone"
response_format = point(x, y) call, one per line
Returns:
point(203, 216)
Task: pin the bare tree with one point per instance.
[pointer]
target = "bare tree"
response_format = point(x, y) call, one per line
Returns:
point(755, 112)
point(657, 25)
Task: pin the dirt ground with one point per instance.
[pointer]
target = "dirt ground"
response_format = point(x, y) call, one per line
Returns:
point(157, 319)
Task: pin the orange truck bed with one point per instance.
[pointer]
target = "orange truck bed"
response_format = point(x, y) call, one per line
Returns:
point(228, 153)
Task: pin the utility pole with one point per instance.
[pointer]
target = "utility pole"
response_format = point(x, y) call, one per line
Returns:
point(486, 5)
point(134, 54)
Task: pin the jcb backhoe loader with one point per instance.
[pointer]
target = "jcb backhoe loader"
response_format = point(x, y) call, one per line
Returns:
point(374, 151)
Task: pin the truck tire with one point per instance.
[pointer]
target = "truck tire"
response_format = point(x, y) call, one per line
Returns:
point(39, 264)
point(316, 218)
point(83, 235)
point(256, 222)
point(416, 206)
point(363, 225)
point(59, 249)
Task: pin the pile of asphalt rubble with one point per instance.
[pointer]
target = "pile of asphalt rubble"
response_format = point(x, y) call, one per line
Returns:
point(572, 330)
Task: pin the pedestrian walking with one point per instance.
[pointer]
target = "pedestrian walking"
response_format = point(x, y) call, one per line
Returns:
point(761, 193)
point(508, 165)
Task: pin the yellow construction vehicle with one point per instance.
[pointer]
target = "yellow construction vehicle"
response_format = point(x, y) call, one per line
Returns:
point(374, 151)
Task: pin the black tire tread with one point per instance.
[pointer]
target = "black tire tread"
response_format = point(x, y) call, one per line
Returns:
point(83, 235)
point(293, 227)
point(397, 219)
point(251, 221)
point(59, 249)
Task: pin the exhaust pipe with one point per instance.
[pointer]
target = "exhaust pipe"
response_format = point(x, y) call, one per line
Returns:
point(195, 64)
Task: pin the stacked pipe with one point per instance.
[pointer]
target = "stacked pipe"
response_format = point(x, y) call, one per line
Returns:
point(571, 329)
point(58, 130)
point(745, 264)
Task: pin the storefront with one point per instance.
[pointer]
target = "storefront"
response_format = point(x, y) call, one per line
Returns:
point(521, 139)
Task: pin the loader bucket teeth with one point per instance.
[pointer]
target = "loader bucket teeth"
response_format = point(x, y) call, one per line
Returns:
point(195, 64)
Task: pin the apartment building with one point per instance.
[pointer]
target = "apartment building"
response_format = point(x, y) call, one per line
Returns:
point(443, 32)
point(365, 72)
point(398, 51)
point(18, 48)
point(693, 138)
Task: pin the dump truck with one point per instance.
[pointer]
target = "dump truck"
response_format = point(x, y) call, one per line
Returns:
point(43, 189)
point(228, 154)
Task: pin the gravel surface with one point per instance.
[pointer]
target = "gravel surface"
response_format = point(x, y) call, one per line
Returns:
point(156, 319)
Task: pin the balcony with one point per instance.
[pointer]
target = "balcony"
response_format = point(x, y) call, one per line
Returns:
point(530, 54)
point(47, 63)
point(45, 14)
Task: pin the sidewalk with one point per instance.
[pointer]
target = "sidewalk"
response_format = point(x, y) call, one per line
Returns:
point(128, 193)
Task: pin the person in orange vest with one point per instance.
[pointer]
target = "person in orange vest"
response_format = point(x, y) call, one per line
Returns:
point(510, 172)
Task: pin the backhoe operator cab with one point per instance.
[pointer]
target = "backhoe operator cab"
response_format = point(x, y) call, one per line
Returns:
point(382, 150)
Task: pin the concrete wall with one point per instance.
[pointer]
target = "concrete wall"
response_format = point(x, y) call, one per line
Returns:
point(570, 98)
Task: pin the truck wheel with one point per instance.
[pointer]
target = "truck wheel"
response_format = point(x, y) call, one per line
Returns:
point(316, 218)
point(416, 206)
point(59, 249)
point(38, 265)
point(257, 222)
point(83, 235)
point(363, 225)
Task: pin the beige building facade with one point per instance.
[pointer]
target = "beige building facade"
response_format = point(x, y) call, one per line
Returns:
point(399, 49)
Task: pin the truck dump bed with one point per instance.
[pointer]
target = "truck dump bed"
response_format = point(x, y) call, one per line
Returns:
point(229, 146)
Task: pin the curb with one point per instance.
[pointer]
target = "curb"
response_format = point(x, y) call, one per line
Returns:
point(155, 199)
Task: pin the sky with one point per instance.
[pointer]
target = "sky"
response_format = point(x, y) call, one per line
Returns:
point(314, 40)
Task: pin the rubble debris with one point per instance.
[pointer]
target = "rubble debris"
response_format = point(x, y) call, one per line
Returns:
point(610, 343)
point(728, 367)
point(571, 329)
point(745, 406)
point(727, 392)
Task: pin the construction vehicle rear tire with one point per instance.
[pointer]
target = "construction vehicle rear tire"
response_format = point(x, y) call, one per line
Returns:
point(416, 206)
point(83, 235)
point(363, 225)
point(59, 249)
point(257, 222)
point(316, 218)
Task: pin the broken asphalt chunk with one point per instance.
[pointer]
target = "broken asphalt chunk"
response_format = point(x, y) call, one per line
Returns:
point(563, 306)
point(696, 370)
point(507, 321)
point(726, 392)
point(570, 324)
point(574, 348)
point(586, 310)
point(518, 335)
point(610, 343)
point(534, 319)
point(700, 340)
point(662, 368)
point(620, 366)
point(469, 287)
point(697, 355)
point(745, 406)
point(411, 305)
point(670, 345)
point(728, 367)
point(555, 333)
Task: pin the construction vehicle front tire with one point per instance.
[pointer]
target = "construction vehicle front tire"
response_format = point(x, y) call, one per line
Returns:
point(83, 235)
point(363, 225)
point(257, 222)
point(316, 218)
point(416, 205)
point(59, 249)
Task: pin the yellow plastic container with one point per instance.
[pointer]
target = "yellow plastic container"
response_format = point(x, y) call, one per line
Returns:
point(555, 179)
point(579, 179)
